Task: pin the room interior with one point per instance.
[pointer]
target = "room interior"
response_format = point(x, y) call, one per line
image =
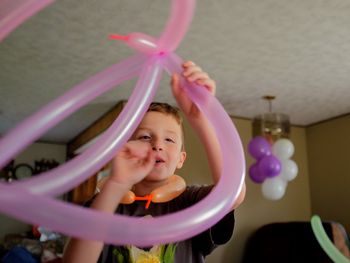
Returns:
point(295, 51)
point(312, 192)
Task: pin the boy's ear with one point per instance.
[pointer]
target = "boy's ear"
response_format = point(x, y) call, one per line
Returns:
point(181, 159)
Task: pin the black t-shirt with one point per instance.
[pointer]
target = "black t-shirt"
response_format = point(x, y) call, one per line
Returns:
point(191, 250)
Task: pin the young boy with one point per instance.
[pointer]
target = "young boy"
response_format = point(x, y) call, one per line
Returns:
point(144, 165)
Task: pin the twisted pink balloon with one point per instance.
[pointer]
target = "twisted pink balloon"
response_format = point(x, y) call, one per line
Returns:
point(24, 199)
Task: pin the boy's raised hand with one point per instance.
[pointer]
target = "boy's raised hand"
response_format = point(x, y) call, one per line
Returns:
point(133, 162)
point(193, 74)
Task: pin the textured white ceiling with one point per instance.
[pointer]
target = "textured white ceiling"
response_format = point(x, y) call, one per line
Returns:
point(296, 50)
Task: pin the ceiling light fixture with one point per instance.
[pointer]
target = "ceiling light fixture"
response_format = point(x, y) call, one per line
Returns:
point(271, 125)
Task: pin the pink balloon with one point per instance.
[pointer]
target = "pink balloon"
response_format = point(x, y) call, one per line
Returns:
point(15, 12)
point(25, 200)
point(177, 25)
point(87, 223)
point(180, 18)
point(143, 43)
point(74, 172)
point(25, 133)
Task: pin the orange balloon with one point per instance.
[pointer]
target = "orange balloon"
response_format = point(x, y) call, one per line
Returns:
point(172, 189)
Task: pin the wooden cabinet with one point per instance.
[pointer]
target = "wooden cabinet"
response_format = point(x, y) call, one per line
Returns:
point(86, 190)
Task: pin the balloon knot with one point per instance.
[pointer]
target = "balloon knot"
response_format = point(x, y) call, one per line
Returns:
point(147, 198)
point(118, 37)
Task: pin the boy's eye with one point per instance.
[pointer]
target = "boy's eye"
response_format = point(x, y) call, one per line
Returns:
point(144, 137)
point(170, 140)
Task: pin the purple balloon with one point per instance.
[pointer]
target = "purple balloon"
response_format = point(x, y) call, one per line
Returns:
point(259, 147)
point(269, 166)
point(255, 174)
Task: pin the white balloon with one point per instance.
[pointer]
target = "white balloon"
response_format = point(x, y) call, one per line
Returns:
point(283, 148)
point(274, 188)
point(289, 170)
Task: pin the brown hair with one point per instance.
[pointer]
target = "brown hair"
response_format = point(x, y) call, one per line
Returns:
point(169, 110)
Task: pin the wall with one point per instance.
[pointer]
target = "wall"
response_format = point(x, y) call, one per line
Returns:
point(255, 211)
point(36, 151)
point(328, 152)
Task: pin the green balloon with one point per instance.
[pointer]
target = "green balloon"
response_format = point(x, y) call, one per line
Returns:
point(325, 243)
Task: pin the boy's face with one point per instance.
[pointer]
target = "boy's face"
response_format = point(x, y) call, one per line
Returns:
point(164, 135)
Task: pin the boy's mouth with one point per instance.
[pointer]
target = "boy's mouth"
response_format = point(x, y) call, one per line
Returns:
point(159, 161)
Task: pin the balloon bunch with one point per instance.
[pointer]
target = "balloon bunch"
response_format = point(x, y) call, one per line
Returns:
point(32, 200)
point(273, 167)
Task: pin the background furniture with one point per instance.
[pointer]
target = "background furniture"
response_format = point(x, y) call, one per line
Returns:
point(292, 242)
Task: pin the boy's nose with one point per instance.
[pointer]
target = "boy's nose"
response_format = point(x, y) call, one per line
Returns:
point(156, 148)
point(157, 145)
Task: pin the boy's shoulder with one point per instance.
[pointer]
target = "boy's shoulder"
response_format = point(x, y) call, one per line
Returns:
point(193, 194)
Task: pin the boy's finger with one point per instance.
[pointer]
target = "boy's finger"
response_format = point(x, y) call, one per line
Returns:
point(174, 79)
point(190, 70)
point(175, 84)
point(138, 149)
point(196, 76)
point(188, 63)
point(150, 159)
point(148, 162)
point(206, 82)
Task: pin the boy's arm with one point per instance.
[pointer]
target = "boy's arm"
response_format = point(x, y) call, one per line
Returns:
point(79, 250)
point(194, 74)
point(131, 164)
